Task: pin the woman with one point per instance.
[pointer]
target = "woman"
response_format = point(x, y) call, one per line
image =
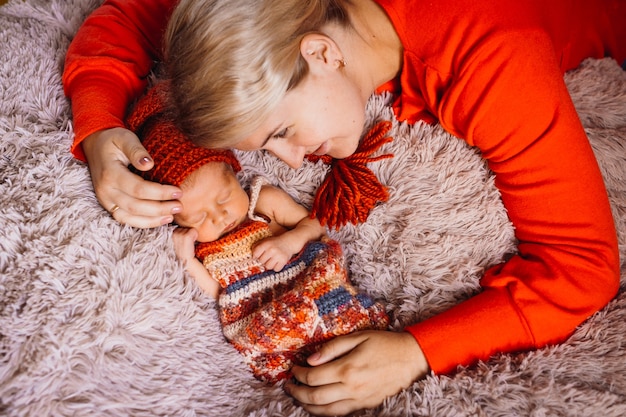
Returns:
point(293, 77)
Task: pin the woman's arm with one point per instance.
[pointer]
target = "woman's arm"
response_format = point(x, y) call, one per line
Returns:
point(108, 61)
point(510, 101)
point(105, 69)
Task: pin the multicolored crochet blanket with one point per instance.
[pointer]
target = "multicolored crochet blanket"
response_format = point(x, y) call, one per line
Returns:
point(277, 319)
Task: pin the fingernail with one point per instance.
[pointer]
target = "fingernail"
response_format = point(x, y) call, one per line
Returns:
point(315, 356)
point(145, 160)
point(287, 388)
point(166, 220)
point(177, 210)
point(176, 195)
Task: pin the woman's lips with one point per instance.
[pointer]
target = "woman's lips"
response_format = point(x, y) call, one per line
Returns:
point(322, 150)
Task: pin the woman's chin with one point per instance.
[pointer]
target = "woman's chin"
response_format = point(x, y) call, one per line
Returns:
point(343, 152)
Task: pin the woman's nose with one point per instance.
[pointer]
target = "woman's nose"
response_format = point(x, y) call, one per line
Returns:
point(290, 154)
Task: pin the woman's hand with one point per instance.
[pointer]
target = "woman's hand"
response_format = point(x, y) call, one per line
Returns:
point(357, 371)
point(129, 198)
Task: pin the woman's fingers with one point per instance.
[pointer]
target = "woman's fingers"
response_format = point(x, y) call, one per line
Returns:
point(357, 371)
point(128, 197)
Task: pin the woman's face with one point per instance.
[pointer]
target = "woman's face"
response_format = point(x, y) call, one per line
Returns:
point(214, 202)
point(323, 115)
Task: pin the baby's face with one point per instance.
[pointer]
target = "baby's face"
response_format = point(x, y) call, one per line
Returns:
point(214, 202)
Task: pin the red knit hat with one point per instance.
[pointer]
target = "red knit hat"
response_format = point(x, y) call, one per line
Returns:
point(174, 155)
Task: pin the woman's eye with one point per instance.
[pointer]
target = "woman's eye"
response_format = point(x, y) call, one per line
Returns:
point(281, 134)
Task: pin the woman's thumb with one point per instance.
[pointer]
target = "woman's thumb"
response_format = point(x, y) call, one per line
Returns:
point(135, 152)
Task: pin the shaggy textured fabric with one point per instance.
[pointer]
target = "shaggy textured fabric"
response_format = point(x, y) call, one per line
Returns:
point(98, 319)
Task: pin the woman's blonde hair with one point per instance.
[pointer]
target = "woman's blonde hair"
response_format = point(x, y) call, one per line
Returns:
point(232, 61)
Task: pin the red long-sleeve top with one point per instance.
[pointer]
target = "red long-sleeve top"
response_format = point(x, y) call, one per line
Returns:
point(492, 74)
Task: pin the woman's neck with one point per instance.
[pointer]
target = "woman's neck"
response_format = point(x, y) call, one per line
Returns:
point(372, 44)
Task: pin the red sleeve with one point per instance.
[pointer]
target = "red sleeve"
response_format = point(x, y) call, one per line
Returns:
point(511, 102)
point(107, 62)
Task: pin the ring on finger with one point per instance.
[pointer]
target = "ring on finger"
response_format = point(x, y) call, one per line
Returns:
point(114, 209)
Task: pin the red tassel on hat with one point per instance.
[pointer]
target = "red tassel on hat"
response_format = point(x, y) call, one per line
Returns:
point(351, 190)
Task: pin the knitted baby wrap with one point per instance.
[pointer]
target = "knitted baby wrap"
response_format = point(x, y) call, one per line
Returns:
point(277, 319)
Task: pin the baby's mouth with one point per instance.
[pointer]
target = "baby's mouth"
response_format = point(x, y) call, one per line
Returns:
point(230, 227)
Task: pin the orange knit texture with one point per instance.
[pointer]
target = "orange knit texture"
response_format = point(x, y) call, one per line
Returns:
point(351, 190)
point(175, 156)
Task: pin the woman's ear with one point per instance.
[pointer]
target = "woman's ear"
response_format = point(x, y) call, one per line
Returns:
point(320, 51)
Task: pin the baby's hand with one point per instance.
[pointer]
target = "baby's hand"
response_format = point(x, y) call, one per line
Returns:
point(184, 243)
point(273, 252)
